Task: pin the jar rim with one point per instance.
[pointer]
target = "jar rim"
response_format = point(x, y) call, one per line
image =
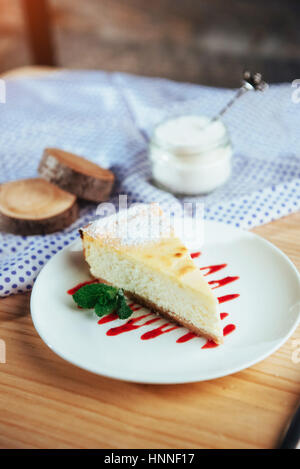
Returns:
point(189, 149)
point(186, 151)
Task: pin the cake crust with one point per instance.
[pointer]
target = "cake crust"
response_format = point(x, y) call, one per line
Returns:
point(172, 317)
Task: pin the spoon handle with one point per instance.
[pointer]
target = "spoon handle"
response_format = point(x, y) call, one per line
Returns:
point(251, 81)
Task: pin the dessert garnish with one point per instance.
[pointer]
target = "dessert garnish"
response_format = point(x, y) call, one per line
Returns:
point(104, 299)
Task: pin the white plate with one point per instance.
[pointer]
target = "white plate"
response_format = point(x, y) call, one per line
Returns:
point(265, 314)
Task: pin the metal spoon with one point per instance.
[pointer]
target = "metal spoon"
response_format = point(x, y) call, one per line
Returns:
point(251, 81)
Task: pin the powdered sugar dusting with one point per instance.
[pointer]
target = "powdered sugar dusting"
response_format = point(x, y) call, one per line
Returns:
point(140, 224)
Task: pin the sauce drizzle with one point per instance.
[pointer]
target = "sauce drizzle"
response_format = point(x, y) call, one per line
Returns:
point(108, 318)
point(222, 282)
point(186, 337)
point(194, 255)
point(213, 268)
point(131, 325)
point(227, 330)
point(159, 331)
point(223, 299)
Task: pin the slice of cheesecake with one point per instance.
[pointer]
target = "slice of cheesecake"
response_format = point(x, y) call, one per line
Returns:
point(137, 250)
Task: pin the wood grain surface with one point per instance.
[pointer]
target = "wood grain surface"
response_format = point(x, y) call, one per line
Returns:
point(35, 206)
point(47, 403)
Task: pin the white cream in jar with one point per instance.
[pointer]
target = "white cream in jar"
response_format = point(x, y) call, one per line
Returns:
point(190, 154)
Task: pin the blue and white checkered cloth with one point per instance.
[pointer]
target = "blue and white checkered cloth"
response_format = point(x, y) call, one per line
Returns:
point(109, 117)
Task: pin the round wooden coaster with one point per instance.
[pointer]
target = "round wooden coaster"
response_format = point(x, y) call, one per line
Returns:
point(77, 175)
point(35, 206)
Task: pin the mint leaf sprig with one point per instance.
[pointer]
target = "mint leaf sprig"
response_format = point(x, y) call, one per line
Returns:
point(104, 298)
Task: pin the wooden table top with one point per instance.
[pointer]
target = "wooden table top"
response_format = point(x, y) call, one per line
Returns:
point(46, 402)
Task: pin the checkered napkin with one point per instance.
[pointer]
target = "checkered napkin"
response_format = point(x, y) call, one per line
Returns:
point(109, 117)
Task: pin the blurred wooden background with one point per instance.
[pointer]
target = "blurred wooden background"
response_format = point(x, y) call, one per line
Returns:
point(201, 41)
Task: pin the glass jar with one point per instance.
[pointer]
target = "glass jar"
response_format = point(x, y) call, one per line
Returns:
point(190, 155)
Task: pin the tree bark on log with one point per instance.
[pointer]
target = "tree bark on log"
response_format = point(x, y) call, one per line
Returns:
point(76, 175)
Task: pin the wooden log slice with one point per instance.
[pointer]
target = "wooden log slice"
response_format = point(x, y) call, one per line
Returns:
point(77, 175)
point(35, 206)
